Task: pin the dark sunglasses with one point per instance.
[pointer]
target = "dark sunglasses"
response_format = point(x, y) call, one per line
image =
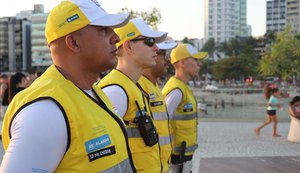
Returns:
point(147, 40)
point(164, 53)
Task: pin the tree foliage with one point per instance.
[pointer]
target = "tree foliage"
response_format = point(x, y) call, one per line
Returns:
point(209, 47)
point(152, 18)
point(234, 68)
point(284, 58)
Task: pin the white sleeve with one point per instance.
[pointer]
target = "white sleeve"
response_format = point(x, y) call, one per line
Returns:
point(39, 139)
point(118, 98)
point(173, 100)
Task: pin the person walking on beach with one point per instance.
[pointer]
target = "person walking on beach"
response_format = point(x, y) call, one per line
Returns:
point(149, 84)
point(62, 122)
point(182, 105)
point(272, 94)
point(136, 51)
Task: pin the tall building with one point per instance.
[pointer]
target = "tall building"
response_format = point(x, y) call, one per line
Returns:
point(225, 19)
point(41, 57)
point(15, 43)
point(293, 15)
point(276, 15)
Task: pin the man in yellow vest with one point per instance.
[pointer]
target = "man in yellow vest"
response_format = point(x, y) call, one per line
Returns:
point(182, 105)
point(63, 123)
point(136, 51)
point(149, 84)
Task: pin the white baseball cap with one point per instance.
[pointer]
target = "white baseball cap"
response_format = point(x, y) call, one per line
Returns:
point(138, 27)
point(167, 45)
point(72, 15)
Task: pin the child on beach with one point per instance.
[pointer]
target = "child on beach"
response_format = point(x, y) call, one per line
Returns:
point(271, 94)
point(294, 108)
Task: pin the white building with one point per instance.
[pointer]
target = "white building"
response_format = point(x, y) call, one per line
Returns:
point(225, 19)
point(41, 57)
point(293, 15)
point(276, 15)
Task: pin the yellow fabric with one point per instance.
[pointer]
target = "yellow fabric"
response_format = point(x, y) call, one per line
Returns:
point(162, 125)
point(127, 32)
point(182, 52)
point(183, 130)
point(64, 19)
point(146, 159)
point(86, 120)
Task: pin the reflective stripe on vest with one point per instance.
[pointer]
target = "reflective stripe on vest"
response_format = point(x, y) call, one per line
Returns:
point(187, 150)
point(133, 132)
point(164, 140)
point(185, 116)
point(123, 166)
point(160, 116)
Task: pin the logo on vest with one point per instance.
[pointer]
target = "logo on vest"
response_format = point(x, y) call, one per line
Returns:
point(188, 107)
point(97, 143)
point(152, 96)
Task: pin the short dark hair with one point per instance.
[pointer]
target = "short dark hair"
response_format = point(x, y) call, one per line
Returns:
point(294, 100)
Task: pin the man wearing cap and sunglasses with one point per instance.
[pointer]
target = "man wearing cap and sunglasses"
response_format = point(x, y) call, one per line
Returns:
point(150, 86)
point(136, 51)
point(182, 105)
point(62, 122)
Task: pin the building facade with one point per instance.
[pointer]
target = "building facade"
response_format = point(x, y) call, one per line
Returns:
point(225, 20)
point(41, 57)
point(276, 15)
point(293, 15)
point(15, 44)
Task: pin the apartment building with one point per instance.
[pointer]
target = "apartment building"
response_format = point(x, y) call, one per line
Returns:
point(41, 57)
point(276, 15)
point(225, 20)
point(15, 43)
point(293, 15)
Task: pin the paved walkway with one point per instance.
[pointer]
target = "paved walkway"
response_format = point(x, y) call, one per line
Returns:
point(232, 147)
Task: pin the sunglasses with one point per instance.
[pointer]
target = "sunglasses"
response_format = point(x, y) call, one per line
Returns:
point(147, 40)
point(164, 53)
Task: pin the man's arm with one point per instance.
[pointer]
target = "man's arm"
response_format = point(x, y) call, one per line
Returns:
point(173, 99)
point(118, 98)
point(39, 139)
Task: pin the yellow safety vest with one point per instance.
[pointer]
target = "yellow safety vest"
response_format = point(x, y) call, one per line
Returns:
point(146, 159)
point(97, 138)
point(184, 122)
point(161, 119)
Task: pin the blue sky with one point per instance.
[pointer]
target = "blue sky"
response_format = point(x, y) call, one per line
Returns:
point(180, 18)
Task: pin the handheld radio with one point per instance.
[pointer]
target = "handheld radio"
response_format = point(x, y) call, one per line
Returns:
point(146, 128)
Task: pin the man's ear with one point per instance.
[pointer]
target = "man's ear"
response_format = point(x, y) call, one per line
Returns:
point(72, 43)
point(127, 47)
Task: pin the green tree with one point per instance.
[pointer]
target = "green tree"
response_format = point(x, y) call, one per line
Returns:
point(152, 18)
point(284, 58)
point(209, 47)
point(207, 67)
point(234, 68)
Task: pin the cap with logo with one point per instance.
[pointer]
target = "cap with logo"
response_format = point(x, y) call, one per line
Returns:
point(183, 51)
point(138, 27)
point(72, 15)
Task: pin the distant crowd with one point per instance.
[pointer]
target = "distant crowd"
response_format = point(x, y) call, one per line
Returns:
point(10, 85)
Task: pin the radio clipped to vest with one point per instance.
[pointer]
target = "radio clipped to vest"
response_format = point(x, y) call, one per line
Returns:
point(146, 128)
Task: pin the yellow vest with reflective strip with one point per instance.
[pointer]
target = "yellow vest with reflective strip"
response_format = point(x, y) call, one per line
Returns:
point(97, 139)
point(161, 119)
point(146, 159)
point(184, 122)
